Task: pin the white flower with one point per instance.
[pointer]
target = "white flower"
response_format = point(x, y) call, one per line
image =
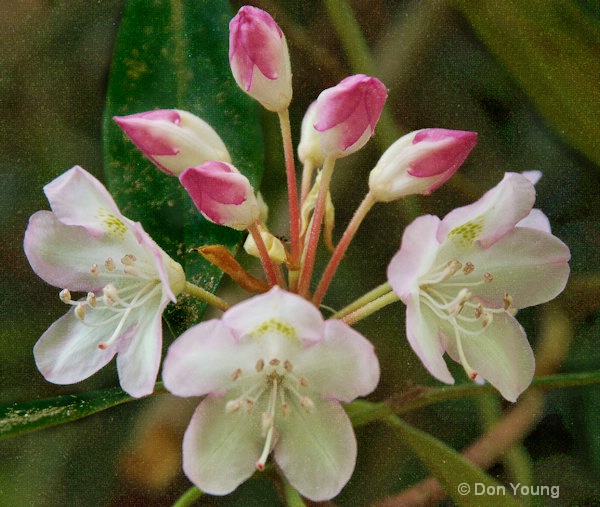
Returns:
point(273, 372)
point(86, 245)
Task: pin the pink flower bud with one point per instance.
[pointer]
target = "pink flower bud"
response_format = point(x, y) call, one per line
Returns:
point(173, 140)
point(420, 162)
point(259, 58)
point(222, 194)
point(347, 114)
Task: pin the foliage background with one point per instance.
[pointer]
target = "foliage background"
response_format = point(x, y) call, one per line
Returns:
point(522, 76)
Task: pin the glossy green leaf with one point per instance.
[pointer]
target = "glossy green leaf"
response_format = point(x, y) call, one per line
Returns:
point(553, 51)
point(19, 418)
point(451, 468)
point(174, 54)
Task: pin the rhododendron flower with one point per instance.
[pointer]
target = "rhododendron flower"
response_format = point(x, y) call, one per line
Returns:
point(259, 58)
point(463, 277)
point(347, 113)
point(173, 140)
point(222, 194)
point(272, 371)
point(420, 162)
point(86, 245)
point(309, 147)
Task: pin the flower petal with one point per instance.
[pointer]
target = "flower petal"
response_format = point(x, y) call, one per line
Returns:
point(502, 355)
point(220, 449)
point(342, 366)
point(77, 198)
point(139, 354)
point(492, 216)
point(317, 450)
point(202, 359)
point(423, 335)
point(415, 257)
point(286, 312)
point(536, 220)
point(63, 254)
point(529, 264)
point(68, 351)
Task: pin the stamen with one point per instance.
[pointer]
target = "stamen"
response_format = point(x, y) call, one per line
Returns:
point(302, 381)
point(288, 366)
point(461, 354)
point(260, 364)
point(109, 264)
point(274, 362)
point(468, 268)
point(507, 300)
point(236, 374)
point(65, 296)
point(232, 406)
point(80, 311)
point(307, 404)
point(488, 278)
point(91, 299)
point(260, 464)
point(128, 259)
point(94, 269)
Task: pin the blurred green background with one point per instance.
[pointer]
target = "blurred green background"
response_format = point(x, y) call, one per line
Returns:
point(525, 75)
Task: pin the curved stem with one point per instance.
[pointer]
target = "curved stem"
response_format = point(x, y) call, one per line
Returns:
point(373, 294)
point(204, 295)
point(370, 308)
point(189, 497)
point(340, 250)
point(307, 173)
point(290, 170)
point(315, 230)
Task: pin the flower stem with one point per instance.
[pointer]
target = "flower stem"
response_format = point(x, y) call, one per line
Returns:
point(382, 289)
point(189, 497)
point(292, 497)
point(290, 170)
point(204, 295)
point(315, 230)
point(340, 250)
point(370, 308)
point(274, 276)
point(307, 174)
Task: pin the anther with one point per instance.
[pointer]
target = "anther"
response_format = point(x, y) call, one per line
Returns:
point(507, 300)
point(307, 404)
point(486, 319)
point(288, 366)
point(453, 266)
point(128, 259)
point(303, 382)
point(260, 364)
point(236, 374)
point(110, 294)
point(94, 269)
point(91, 299)
point(65, 295)
point(274, 362)
point(80, 311)
point(478, 311)
point(232, 406)
point(285, 409)
point(468, 268)
point(488, 278)
point(109, 264)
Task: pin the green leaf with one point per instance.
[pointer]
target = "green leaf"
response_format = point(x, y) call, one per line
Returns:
point(451, 468)
point(552, 50)
point(19, 418)
point(174, 54)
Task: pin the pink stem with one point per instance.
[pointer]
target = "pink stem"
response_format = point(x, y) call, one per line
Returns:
point(315, 230)
point(340, 250)
point(272, 272)
point(290, 169)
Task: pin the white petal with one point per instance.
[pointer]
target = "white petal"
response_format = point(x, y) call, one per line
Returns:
point(317, 450)
point(76, 197)
point(502, 355)
point(277, 306)
point(536, 220)
point(529, 264)
point(423, 333)
point(342, 366)
point(418, 251)
point(492, 216)
point(139, 352)
point(203, 359)
point(220, 449)
point(68, 351)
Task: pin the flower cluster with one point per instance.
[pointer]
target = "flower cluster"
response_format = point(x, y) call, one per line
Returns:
point(272, 369)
